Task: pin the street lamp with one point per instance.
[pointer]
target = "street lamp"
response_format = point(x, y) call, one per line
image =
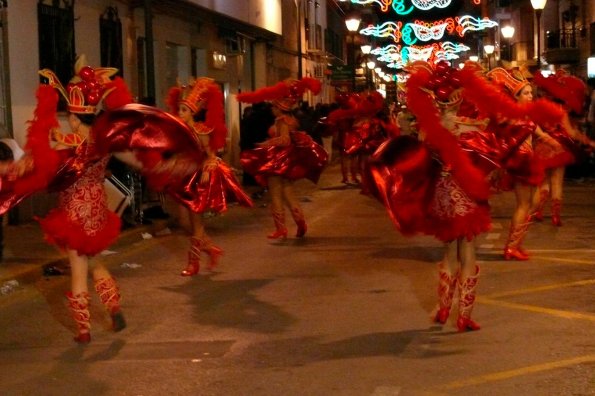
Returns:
point(370, 64)
point(507, 33)
point(366, 48)
point(352, 23)
point(489, 50)
point(538, 6)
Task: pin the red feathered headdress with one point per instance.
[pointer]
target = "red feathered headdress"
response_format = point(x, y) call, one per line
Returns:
point(565, 87)
point(284, 94)
point(202, 93)
point(86, 89)
point(513, 81)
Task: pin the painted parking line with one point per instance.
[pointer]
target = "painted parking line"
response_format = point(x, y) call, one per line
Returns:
point(540, 288)
point(502, 375)
point(533, 308)
point(563, 260)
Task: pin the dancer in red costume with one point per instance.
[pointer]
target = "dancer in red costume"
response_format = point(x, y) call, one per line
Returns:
point(176, 154)
point(341, 121)
point(571, 91)
point(523, 167)
point(433, 187)
point(81, 224)
point(214, 182)
point(288, 155)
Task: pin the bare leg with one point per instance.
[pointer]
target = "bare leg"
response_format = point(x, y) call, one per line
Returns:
point(467, 257)
point(523, 195)
point(519, 224)
point(344, 167)
point(557, 185)
point(355, 167)
point(296, 209)
point(557, 182)
point(451, 257)
point(79, 268)
point(276, 192)
point(540, 196)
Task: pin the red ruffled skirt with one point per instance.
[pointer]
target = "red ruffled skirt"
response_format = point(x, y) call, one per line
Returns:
point(304, 158)
point(65, 232)
point(222, 188)
point(421, 199)
point(453, 215)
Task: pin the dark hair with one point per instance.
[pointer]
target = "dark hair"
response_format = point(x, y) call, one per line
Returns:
point(87, 119)
point(200, 115)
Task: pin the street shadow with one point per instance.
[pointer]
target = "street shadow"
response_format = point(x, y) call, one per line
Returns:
point(328, 242)
point(427, 254)
point(340, 187)
point(73, 366)
point(412, 344)
point(489, 256)
point(233, 304)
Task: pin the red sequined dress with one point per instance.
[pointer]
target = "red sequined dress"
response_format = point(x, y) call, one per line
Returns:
point(82, 221)
point(423, 195)
point(519, 163)
point(555, 157)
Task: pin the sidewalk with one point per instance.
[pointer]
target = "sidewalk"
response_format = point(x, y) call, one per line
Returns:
point(26, 253)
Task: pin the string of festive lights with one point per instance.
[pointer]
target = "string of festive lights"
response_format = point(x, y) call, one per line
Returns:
point(411, 32)
point(396, 56)
point(401, 8)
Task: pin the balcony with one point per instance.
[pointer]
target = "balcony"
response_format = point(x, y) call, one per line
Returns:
point(562, 47)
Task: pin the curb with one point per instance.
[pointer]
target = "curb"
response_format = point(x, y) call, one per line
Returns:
point(26, 270)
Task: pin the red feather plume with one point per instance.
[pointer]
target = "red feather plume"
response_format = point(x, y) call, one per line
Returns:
point(45, 159)
point(119, 96)
point(173, 99)
point(215, 117)
point(421, 104)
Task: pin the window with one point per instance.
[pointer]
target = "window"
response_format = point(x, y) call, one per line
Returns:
point(110, 36)
point(56, 37)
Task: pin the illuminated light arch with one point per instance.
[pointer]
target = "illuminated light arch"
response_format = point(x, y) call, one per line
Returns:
point(387, 29)
point(426, 31)
point(384, 4)
point(429, 4)
point(400, 8)
point(468, 23)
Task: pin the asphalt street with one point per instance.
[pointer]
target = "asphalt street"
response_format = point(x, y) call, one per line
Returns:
point(343, 311)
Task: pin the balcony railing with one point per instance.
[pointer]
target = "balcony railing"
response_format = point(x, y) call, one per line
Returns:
point(561, 47)
point(563, 38)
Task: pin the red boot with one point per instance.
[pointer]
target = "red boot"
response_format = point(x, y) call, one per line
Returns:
point(538, 214)
point(467, 290)
point(280, 231)
point(214, 252)
point(446, 289)
point(556, 209)
point(193, 265)
point(79, 307)
point(109, 294)
point(513, 250)
point(300, 221)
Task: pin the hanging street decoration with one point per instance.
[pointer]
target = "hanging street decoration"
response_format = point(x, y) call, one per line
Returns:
point(400, 7)
point(411, 32)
